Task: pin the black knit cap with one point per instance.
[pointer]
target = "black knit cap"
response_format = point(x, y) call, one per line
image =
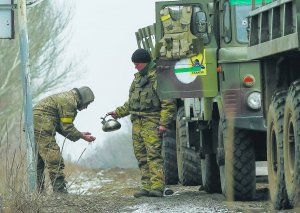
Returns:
point(140, 56)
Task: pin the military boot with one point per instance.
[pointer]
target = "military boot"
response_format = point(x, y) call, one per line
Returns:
point(59, 185)
point(156, 193)
point(141, 193)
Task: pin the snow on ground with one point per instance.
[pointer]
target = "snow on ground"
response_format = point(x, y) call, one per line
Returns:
point(86, 183)
point(178, 208)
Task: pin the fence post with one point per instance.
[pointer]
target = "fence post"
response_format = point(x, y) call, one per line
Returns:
point(27, 97)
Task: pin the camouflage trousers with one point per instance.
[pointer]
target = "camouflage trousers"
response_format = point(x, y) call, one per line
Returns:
point(49, 156)
point(147, 144)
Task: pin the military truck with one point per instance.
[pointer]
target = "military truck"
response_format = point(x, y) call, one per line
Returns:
point(274, 41)
point(200, 47)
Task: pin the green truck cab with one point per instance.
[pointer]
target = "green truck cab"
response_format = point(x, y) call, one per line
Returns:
point(219, 131)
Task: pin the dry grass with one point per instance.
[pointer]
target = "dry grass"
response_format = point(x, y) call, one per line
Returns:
point(14, 194)
point(72, 167)
point(13, 182)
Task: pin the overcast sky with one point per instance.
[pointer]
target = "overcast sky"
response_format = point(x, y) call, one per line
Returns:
point(104, 37)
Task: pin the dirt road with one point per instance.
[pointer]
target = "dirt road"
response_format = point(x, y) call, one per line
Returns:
point(111, 191)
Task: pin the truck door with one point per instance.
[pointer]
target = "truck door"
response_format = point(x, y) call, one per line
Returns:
point(192, 76)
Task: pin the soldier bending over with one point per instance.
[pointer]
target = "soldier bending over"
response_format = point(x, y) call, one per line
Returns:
point(56, 113)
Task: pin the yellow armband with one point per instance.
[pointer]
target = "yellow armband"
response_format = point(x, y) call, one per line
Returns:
point(66, 120)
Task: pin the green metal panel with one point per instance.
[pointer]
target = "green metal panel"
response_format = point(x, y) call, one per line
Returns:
point(234, 92)
point(229, 77)
point(274, 29)
point(233, 54)
point(173, 83)
point(250, 68)
point(144, 37)
point(280, 45)
point(207, 108)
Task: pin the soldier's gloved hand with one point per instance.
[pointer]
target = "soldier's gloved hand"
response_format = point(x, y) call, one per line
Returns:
point(162, 129)
point(113, 114)
point(87, 136)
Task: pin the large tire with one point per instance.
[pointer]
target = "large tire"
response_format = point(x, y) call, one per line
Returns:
point(170, 158)
point(210, 174)
point(236, 163)
point(188, 159)
point(277, 188)
point(291, 144)
point(209, 167)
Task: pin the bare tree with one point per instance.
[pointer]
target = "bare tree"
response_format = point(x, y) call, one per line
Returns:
point(47, 25)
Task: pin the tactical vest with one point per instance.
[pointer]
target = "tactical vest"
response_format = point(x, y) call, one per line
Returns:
point(178, 41)
point(143, 98)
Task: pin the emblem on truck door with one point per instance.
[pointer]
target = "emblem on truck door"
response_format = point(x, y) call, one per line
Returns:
point(187, 69)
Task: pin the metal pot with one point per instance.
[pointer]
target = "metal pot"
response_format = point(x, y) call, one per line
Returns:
point(110, 125)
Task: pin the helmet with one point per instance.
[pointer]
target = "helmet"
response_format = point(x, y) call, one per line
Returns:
point(110, 125)
point(86, 96)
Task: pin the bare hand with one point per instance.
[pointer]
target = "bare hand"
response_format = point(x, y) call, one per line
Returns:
point(113, 114)
point(87, 136)
point(162, 129)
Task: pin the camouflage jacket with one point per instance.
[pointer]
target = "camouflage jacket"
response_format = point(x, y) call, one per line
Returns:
point(56, 113)
point(144, 101)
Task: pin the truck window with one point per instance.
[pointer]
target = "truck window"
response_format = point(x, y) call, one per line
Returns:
point(241, 22)
point(242, 9)
point(226, 23)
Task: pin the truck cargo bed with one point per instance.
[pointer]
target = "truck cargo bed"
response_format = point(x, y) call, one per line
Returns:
point(274, 29)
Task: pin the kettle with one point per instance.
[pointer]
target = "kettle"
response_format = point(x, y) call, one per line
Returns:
point(110, 125)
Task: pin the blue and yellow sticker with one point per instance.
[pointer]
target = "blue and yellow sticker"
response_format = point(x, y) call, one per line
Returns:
point(187, 70)
point(196, 65)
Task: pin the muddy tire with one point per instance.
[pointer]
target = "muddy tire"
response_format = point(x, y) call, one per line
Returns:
point(291, 144)
point(237, 168)
point(210, 174)
point(188, 159)
point(275, 161)
point(209, 167)
point(170, 158)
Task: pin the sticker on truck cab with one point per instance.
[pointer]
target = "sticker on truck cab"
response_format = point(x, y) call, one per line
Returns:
point(187, 69)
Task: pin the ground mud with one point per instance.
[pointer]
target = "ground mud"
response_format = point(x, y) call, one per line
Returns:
point(111, 191)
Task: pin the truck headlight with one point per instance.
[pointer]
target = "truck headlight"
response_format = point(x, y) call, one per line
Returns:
point(254, 100)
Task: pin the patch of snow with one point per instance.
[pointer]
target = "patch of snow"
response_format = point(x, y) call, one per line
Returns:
point(84, 184)
point(100, 173)
point(186, 208)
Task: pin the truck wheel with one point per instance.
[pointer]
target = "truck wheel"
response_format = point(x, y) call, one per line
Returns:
point(209, 167)
point(291, 143)
point(236, 163)
point(188, 159)
point(275, 151)
point(210, 174)
point(170, 158)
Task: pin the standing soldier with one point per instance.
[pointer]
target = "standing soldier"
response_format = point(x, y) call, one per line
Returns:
point(56, 113)
point(150, 117)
